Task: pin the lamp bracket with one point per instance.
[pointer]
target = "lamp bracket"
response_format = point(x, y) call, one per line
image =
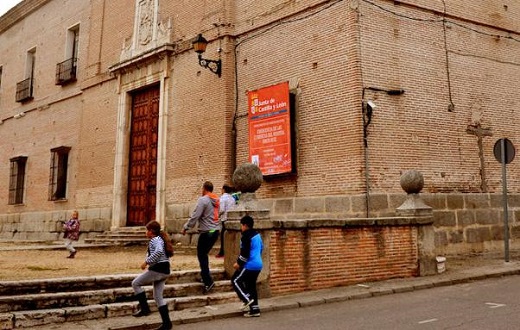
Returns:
point(387, 91)
point(214, 66)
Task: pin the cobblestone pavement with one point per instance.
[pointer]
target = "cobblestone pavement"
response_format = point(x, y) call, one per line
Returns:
point(39, 261)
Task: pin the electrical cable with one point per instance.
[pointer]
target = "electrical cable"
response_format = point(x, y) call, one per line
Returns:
point(441, 20)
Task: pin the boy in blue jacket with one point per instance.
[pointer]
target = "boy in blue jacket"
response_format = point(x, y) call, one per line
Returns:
point(248, 267)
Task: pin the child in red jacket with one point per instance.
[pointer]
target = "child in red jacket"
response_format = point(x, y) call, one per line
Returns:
point(71, 233)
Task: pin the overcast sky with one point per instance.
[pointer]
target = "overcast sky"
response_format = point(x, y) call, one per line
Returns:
point(5, 5)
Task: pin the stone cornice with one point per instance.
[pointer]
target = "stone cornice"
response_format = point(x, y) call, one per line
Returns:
point(146, 57)
point(19, 12)
point(344, 223)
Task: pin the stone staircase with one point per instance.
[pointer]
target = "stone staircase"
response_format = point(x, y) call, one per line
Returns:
point(33, 303)
point(127, 236)
point(121, 236)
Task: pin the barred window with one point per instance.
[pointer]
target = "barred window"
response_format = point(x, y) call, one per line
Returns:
point(24, 88)
point(17, 180)
point(58, 173)
point(66, 71)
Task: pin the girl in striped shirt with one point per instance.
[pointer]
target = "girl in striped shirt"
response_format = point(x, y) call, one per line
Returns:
point(160, 249)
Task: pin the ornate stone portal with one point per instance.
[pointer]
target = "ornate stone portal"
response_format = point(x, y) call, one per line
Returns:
point(149, 32)
point(144, 61)
point(147, 18)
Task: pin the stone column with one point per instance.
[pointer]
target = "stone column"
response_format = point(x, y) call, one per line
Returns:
point(412, 183)
point(247, 178)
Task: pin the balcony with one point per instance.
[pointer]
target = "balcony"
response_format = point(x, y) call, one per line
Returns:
point(66, 71)
point(24, 90)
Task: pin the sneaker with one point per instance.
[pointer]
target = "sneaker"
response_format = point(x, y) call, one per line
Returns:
point(245, 306)
point(250, 314)
point(141, 313)
point(208, 288)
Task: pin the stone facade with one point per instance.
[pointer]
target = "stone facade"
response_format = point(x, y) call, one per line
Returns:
point(457, 63)
point(47, 226)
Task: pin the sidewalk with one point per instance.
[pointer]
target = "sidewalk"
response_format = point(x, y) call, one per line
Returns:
point(458, 270)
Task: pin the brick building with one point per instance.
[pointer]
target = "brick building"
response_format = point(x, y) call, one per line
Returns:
point(104, 108)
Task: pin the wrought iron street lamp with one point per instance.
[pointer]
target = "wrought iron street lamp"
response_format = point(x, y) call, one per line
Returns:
point(199, 45)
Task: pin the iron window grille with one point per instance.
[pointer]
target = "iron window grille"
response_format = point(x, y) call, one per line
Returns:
point(24, 90)
point(66, 71)
point(17, 180)
point(58, 173)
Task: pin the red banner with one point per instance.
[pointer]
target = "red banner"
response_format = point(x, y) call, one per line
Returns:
point(270, 129)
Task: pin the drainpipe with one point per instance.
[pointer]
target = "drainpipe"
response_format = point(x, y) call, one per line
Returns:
point(367, 118)
point(235, 116)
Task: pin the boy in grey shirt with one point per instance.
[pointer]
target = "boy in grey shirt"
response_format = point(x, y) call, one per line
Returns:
point(206, 215)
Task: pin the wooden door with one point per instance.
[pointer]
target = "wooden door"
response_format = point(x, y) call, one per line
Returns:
point(142, 171)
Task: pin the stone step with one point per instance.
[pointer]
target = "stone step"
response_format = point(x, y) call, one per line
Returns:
point(30, 303)
point(88, 283)
point(56, 316)
point(138, 229)
point(117, 241)
point(121, 236)
point(53, 300)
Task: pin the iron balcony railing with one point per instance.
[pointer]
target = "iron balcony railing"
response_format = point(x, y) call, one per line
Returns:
point(24, 90)
point(66, 71)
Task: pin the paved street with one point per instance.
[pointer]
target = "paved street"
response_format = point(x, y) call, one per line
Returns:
point(482, 305)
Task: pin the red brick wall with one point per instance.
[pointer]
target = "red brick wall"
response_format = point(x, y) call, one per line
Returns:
point(326, 257)
point(386, 44)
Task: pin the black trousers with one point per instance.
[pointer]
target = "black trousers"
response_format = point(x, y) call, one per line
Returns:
point(244, 283)
point(204, 245)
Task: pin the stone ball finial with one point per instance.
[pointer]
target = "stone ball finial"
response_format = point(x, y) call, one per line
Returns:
point(412, 182)
point(247, 178)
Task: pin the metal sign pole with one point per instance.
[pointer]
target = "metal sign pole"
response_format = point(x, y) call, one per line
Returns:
point(504, 199)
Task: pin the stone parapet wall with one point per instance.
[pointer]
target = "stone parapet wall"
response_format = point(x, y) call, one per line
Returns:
point(47, 226)
point(302, 255)
point(463, 223)
point(466, 223)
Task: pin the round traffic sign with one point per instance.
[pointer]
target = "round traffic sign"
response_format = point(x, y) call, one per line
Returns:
point(509, 151)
